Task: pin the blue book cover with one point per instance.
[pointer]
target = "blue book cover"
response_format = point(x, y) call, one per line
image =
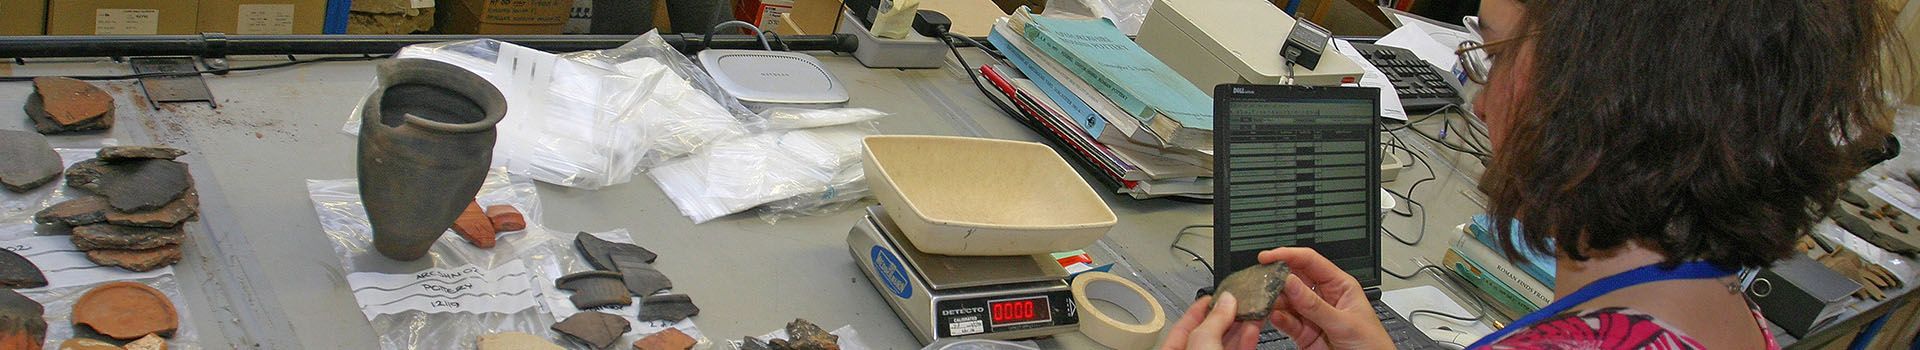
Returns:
point(1539, 265)
point(337, 16)
point(1133, 79)
point(1082, 114)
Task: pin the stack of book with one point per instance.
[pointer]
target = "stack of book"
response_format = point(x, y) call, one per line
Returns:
point(1514, 287)
point(1112, 107)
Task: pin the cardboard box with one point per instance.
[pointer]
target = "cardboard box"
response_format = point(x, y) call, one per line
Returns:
point(390, 16)
point(23, 17)
point(505, 16)
point(806, 16)
point(122, 17)
point(263, 17)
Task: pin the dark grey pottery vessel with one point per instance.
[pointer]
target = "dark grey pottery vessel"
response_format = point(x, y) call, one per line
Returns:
point(426, 141)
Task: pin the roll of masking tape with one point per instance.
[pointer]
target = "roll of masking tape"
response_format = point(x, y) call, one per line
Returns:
point(1106, 330)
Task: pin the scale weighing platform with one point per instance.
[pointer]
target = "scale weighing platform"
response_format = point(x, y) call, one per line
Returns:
point(973, 297)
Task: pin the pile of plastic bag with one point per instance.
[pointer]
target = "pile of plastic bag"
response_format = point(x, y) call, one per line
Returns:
point(806, 162)
point(591, 119)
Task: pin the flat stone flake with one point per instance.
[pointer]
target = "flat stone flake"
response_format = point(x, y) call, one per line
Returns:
point(27, 161)
point(1254, 289)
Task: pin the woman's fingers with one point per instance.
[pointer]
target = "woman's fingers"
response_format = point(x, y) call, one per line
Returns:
point(1217, 321)
point(1177, 338)
point(1308, 264)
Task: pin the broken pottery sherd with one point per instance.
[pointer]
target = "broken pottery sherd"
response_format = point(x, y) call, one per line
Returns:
point(87, 344)
point(59, 105)
point(26, 161)
point(119, 153)
point(126, 311)
point(665, 339)
point(506, 218)
point(18, 272)
point(598, 251)
point(751, 343)
point(105, 236)
point(515, 341)
point(149, 342)
point(668, 307)
point(803, 335)
point(641, 278)
point(22, 321)
point(593, 289)
point(596, 329)
point(1254, 289)
point(85, 210)
point(474, 226)
point(170, 215)
point(142, 260)
point(132, 186)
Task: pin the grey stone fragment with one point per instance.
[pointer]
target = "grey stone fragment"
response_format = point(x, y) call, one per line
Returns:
point(132, 186)
point(1254, 289)
point(803, 335)
point(599, 251)
point(104, 236)
point(26, 161)
point(595, 329)
point(668, 307)
point(641, 278)
point(118, 153)
point(593, 289)
point(18, 272)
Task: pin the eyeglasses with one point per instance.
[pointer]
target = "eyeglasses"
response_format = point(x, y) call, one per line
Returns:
point(1474, 59)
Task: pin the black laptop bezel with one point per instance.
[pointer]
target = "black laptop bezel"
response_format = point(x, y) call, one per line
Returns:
point(1225, 95)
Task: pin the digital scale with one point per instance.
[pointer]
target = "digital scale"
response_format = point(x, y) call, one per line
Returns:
point(974, 297)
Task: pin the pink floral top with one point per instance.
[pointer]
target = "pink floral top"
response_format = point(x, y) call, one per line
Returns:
point(1609, 328)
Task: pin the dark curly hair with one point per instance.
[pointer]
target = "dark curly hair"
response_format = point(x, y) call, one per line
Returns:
point(1716, 130)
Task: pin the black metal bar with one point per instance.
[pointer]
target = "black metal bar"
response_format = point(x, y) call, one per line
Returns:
point(217, 45)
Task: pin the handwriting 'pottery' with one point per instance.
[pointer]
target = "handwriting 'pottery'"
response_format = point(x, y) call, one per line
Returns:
point(18, 272)
point(595, 329)
point(667, 307)
point(474, 225)
point(149, 342)
point(593, 289)
point(426, 139)
point(506, 218)
point(132, 185)
point(1254, 289)
point(136, 260)
point(27, 161)
point(61, 105)
point(126, 311)
point(515, 341)
point(87, 344)
point(599, 251)
point(666, 339)
point(22, 325)
point(104, 236)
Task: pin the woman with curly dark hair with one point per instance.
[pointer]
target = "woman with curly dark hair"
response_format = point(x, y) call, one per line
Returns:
point(1655, 147)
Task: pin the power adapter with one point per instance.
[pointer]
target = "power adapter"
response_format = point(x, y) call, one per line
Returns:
point(932, 24)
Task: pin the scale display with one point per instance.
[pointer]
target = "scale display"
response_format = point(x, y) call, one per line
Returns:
point(1298, 170)
point(1019, 311)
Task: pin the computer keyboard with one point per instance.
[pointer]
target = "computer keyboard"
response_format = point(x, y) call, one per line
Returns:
point(1405, 335)
point(1421, 87)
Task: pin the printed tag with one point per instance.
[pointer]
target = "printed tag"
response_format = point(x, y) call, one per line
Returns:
point(67, 266)
point(259, 19)
point(471, 289)
point(126, 21)
point(421, 4)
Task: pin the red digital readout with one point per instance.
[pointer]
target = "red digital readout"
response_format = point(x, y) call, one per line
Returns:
point(1018, 311)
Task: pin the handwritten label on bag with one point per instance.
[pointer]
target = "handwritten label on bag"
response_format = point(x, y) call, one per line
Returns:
point(67, 266)
point(126, 21)
point(468, 288)
point(422, 4)
point(265, 19)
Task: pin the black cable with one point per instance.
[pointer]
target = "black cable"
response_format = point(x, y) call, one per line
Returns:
point(213, 71)
point(1186, 231)
point(757, 33)
point(1433, 313)
point(777, 39)
point(1196, 256)
point(964, 66)
point(976, 43)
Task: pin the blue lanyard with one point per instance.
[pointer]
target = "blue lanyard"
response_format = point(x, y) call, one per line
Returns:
point(1638, 276)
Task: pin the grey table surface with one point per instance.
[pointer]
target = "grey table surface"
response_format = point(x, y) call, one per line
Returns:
point(260, 273)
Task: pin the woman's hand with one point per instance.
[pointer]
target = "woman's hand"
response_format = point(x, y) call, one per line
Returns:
point(1211, 326)
point(1323, 307)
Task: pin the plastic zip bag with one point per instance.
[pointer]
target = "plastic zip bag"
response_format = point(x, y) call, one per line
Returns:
point(71, 275)
point(742, 173)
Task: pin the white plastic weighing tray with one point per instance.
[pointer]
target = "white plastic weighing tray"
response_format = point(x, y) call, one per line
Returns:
point(978, 197)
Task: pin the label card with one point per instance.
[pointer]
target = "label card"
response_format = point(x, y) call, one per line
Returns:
point(126, 21)
point(471, 289)
point(265, 19)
